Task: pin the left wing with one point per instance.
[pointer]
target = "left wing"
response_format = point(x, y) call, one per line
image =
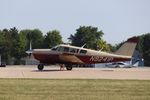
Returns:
point(70, 58)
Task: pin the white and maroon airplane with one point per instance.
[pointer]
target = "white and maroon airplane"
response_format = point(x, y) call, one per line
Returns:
point(71, 55)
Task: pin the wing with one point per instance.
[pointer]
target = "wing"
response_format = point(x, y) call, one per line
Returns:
point(70, 58)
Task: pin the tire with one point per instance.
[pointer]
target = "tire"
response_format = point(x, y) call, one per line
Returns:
point(40, 67)
point(69, 67)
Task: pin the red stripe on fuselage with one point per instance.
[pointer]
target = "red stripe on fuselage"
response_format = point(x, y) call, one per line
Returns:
point(100, 59)
point(47, 58)
point(87, 59)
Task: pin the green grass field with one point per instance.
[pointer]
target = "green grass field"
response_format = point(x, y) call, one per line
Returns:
point(44, 89)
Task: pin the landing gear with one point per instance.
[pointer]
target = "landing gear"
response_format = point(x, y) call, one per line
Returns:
point(69, 67)
point(40, 67)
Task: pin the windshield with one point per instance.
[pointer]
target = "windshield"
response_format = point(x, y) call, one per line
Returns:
point(54, 48)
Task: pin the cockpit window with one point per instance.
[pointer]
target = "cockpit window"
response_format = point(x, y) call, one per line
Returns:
point(83, 51)
point(60, 49)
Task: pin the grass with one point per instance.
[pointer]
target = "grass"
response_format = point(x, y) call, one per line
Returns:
point(44, 89)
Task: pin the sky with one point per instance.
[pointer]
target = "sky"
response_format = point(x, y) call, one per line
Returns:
point(118, 19)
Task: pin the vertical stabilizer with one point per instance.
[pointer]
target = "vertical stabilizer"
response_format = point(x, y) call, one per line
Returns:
point(128, 47)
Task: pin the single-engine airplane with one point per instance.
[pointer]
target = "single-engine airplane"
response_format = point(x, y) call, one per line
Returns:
point(69, 56)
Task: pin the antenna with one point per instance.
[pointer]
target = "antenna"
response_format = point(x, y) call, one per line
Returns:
point(101, 48)
point(83, 45)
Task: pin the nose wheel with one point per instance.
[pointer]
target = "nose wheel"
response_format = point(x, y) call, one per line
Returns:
point(40, 67)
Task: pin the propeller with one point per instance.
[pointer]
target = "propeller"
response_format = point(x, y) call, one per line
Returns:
point(29, 52)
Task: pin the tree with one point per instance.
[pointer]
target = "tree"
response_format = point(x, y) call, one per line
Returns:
point(1, 42)
point(35, 36)
point(6, 45)
point(22, 44)
point(20, 48)
point(86, 35)
point(146, 49)
point(13, 32)
point(102, 45)
point(52, 38)
point(8, 42)
point(112, 48)
point(140, 45)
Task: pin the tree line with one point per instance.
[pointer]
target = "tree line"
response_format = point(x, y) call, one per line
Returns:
point(14, 43)
point(144, 48)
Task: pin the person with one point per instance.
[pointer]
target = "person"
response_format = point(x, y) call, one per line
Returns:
point(61, 66)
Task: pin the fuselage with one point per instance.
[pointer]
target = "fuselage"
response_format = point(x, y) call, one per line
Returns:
point(66, 54)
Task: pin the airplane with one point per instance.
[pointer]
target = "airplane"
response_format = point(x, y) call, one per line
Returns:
point(68, 56)
point(122, 65)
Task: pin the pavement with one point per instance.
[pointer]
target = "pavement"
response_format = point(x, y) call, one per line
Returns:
point(53, 72)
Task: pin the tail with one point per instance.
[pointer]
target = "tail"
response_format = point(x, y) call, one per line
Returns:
point(127, 49)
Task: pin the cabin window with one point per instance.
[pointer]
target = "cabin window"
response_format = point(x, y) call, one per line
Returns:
point(83, 51)
point(72, 50)
point(66, 49)
point(63, 49)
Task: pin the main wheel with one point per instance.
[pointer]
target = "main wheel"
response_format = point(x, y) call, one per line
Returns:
point(40, 67)
point(69, 67)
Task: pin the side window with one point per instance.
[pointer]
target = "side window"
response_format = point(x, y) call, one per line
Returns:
point(72, 50)
point(83, 51)
point(63, 49)
point(66, 49)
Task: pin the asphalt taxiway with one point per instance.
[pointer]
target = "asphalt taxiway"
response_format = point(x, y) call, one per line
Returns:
point(53, 72)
